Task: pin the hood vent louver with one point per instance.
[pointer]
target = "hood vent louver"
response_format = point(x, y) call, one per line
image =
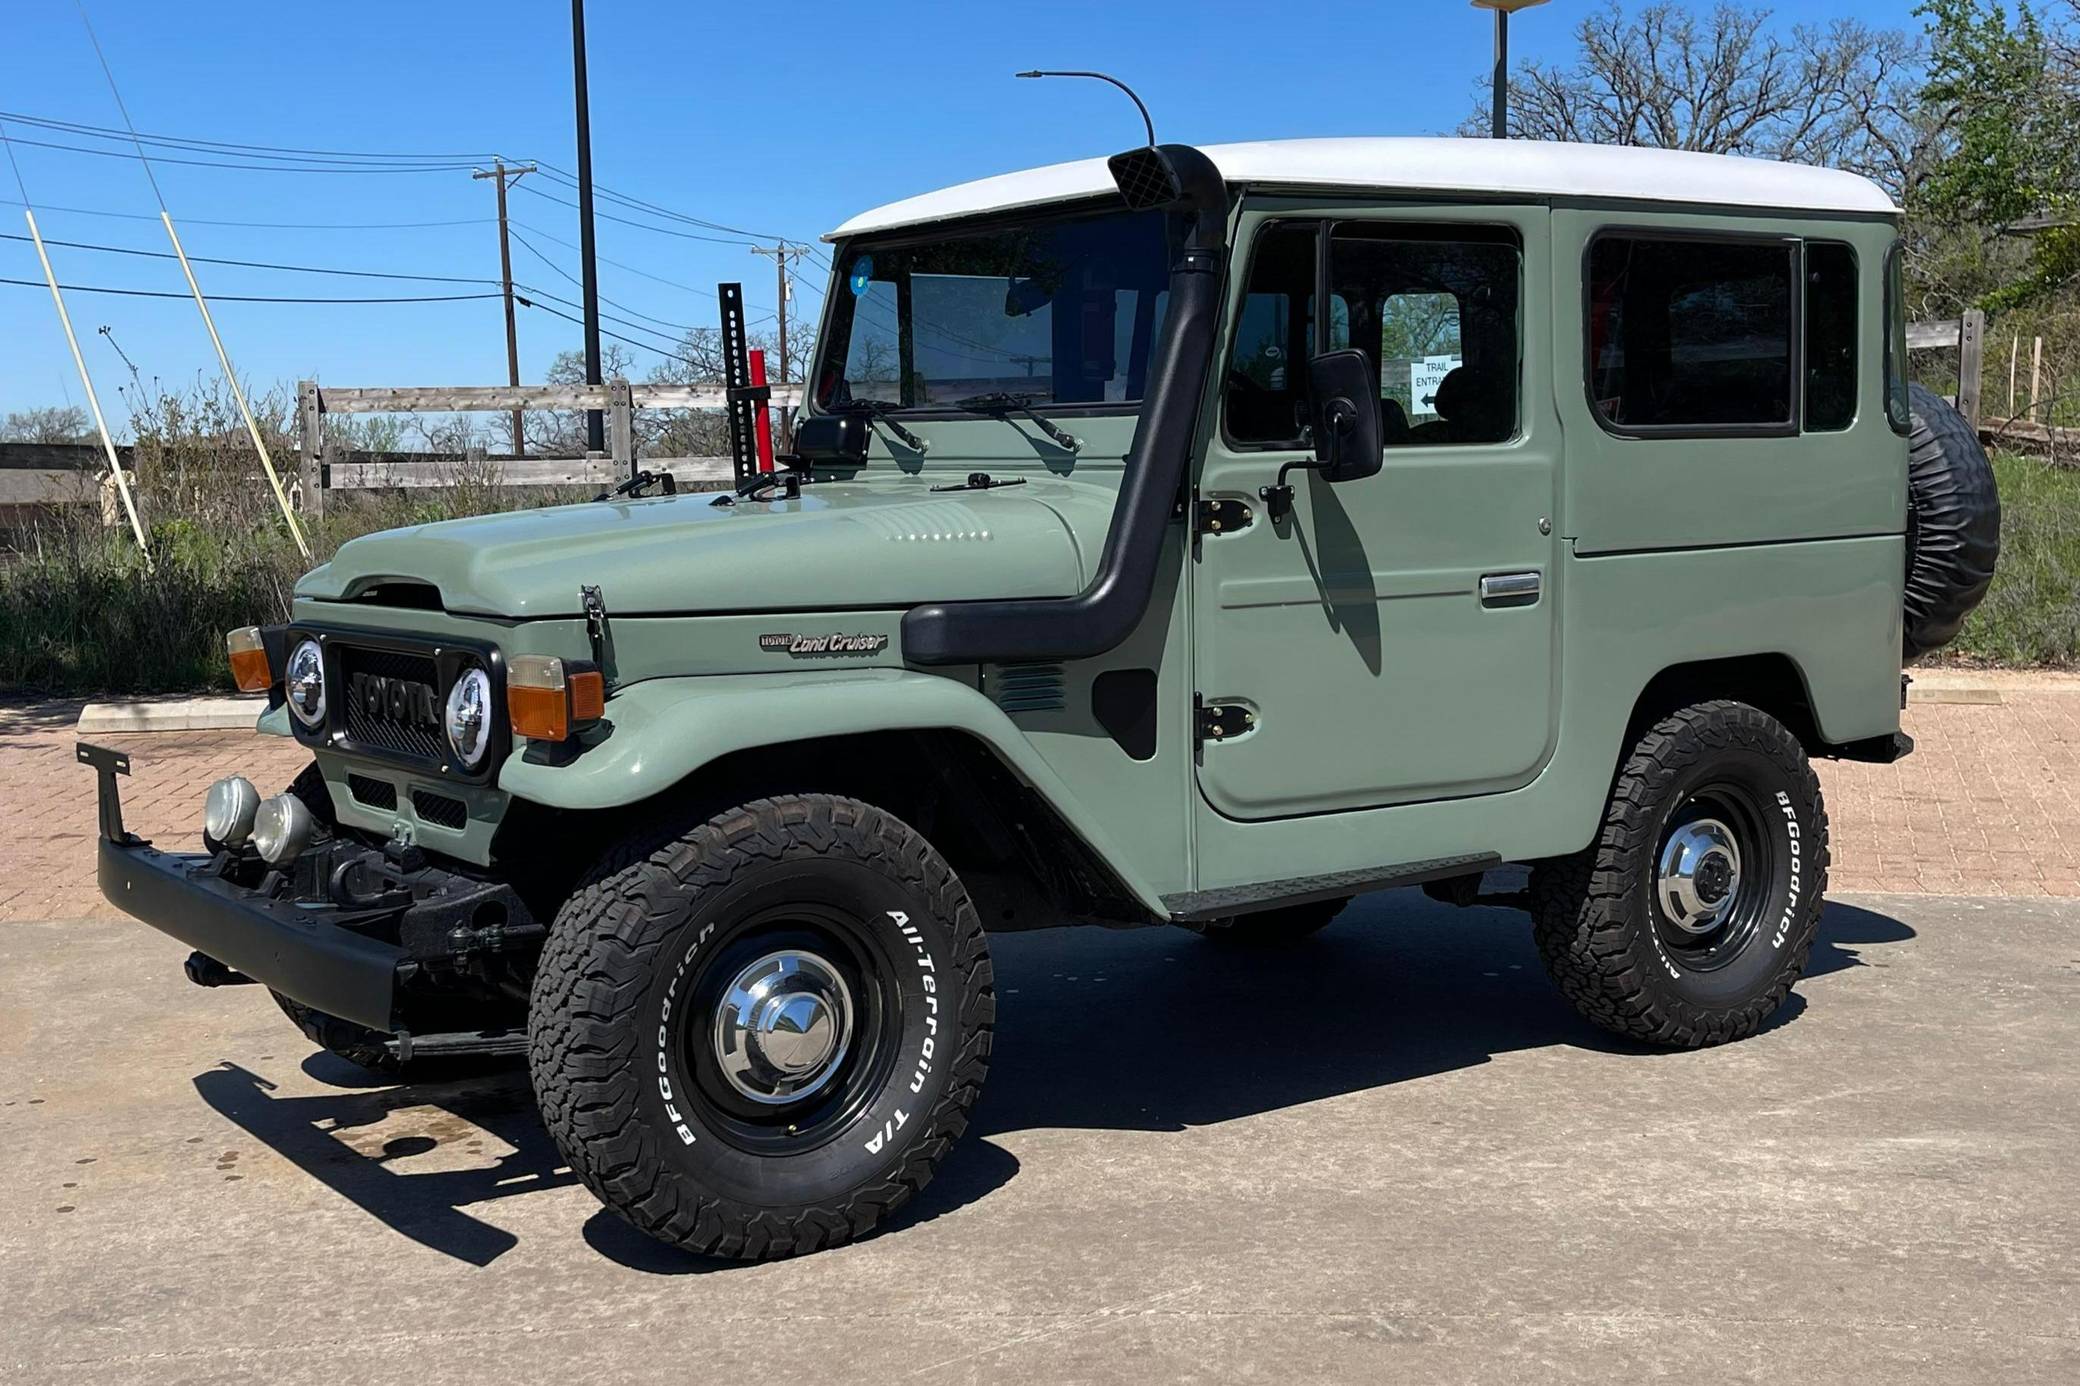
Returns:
point(403, 595)
point(1024, 687)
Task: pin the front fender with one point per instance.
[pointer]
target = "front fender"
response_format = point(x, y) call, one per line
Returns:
point(663, 730)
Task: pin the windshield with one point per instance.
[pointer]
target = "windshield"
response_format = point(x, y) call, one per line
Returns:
point(1062, 312)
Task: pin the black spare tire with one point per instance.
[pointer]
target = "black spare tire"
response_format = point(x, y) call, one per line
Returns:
point(1953, 523)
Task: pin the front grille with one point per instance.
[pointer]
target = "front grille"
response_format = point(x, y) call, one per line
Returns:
point(439, 809)
point(401, 714)
point(375, 794)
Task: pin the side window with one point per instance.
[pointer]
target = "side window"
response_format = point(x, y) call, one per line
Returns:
point(1266, 387)
point(1692, 335)
point(1897, 409)
point(1436, 308)
point(1831, 317)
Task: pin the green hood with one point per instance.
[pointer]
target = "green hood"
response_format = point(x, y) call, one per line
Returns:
point(884, 544)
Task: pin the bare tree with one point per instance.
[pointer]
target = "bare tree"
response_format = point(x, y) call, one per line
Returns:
point(53, 423)
point(1727, 82)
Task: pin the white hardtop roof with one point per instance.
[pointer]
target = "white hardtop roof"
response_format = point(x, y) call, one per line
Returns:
point(1527, 168)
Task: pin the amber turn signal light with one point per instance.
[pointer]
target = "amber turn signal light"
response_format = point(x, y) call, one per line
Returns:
point(249, 669)
point(548, 698)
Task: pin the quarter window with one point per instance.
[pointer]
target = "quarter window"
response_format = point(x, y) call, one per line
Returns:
point(1830, 336)
point(1692, 335)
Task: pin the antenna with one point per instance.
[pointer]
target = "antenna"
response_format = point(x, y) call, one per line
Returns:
point(1105, 77)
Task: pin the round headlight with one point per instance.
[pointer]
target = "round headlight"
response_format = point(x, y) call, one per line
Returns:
point(469, 718)
point(227, 814)
point(282, 827)
point(304, 682)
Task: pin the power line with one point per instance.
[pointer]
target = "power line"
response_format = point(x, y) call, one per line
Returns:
point(248, 168)
point(247, 298)
point(259, 264)
point(263, 225)
point(641, 225)
point(638, 203)
point(227, 146)
point(660, 351)
point(665, 322)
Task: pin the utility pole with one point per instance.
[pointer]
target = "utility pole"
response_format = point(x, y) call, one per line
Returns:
point(595, 421)
point(1499, 119)
point(501, 172)
point(780, 255)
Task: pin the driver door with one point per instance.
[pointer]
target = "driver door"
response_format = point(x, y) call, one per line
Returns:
point(1394, 639)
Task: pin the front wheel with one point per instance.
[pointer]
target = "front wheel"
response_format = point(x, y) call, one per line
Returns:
point(1687, 920)
point(761, 1036)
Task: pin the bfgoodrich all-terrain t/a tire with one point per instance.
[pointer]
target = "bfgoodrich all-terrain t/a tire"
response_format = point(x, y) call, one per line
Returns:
point(759, 1037)
point(1687, 920)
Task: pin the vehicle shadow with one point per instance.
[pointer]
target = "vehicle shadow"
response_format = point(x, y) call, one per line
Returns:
point(1145, 1030)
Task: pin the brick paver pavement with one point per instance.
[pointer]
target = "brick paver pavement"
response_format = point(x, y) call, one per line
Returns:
point(1989, 803)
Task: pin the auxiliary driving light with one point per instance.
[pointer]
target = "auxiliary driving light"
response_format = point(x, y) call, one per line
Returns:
point(282, 828)
point(227, 812)
point(249, 668)
point(549, 698)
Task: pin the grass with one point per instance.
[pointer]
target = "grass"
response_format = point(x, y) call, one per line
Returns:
point(2031, 617)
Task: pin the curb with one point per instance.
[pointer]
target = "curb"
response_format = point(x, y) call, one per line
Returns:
point(172, 714)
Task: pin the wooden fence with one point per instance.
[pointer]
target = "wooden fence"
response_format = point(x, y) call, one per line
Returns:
point(325, 467)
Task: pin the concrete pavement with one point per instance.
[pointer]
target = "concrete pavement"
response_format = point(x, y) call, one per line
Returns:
point(1390, 1154)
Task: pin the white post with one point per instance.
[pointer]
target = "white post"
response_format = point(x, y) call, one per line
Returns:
point(108, 446)
point(274, 479)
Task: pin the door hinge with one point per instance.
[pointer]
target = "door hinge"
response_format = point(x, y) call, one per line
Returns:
point(1223, 721)
point(1221, 515)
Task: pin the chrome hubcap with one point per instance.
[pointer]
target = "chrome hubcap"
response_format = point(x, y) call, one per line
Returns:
point(1699, 876)
point(783, 1027)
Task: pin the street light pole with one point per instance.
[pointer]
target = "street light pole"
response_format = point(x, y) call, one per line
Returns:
point(1499, 122)
point(595, 421)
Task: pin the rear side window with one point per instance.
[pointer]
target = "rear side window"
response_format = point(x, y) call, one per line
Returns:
point(1897, 409)
point(1830, 336)
point(1692, 335)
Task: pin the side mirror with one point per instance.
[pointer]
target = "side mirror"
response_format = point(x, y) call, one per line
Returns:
point(1345, 399)
point(1346, 415)
point(832, 438)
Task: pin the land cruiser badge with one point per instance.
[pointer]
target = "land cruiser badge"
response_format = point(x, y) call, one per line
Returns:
point(836, 643)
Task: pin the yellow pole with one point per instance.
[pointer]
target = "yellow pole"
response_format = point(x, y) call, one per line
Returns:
point(107, 444)
point(274, 479)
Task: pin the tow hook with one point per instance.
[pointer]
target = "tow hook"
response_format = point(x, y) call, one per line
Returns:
point(205, 971)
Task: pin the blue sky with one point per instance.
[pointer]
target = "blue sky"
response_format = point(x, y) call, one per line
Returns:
point(716, 111)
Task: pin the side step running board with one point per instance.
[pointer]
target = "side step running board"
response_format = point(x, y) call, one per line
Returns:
point(1196, 906)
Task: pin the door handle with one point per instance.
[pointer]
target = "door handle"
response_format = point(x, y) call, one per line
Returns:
point(1511, 589)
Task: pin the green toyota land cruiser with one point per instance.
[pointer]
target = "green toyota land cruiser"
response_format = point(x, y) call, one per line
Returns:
point(1195, 537)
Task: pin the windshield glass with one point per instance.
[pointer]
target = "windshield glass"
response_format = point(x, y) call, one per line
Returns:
point(1064, 312)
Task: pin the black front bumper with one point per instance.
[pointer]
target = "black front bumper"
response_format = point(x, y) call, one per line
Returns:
point(300, 954)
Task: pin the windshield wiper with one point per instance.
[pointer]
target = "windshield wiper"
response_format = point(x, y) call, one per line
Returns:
point(879, 410)
point(1002, 404)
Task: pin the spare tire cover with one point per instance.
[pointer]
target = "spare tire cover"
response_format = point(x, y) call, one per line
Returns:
point(1953, 523)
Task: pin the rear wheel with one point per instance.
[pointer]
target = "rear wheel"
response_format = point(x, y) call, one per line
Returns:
point(1688, 919)
point(761, 1036)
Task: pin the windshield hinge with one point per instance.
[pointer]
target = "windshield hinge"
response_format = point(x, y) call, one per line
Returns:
point(1221, 515)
